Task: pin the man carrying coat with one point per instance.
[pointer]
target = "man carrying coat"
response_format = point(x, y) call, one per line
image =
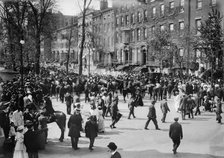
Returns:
point(176, 134)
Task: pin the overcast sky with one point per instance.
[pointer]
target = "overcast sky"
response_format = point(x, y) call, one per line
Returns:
point(71, 7)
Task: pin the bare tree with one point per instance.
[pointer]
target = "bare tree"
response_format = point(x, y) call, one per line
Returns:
point(13, 15)
point(86, 4)
point(160, 45)
point(38, 14)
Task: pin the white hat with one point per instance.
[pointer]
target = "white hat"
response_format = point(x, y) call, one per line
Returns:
point(20, 128)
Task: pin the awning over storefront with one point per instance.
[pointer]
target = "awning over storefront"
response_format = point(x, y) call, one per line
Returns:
point(139, 68)
point(153, 64)
point(120, 67)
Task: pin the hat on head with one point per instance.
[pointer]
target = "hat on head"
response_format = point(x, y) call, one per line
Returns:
point(153, 102)
point(77, 100)
point(28, 92)
point(112, 146)
point(176, 118)
point(29, 123)
point(77, 109)
point(20, 128)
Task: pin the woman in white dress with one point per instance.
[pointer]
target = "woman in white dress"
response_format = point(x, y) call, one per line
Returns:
point(101, 127)
point(177, 99)
point(20, 148)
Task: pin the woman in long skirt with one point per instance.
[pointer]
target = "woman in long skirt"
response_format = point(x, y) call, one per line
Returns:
point(101, 127)
point(20, 148)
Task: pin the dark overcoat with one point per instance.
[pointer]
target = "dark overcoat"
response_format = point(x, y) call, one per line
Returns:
point(91, 129)
point(175, 131)
point(75, 125)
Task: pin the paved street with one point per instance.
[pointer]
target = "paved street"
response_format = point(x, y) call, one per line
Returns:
point(203, 137)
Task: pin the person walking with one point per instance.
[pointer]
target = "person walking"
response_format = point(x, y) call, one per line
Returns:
point(68, 101)
point(30, 141)
point(75, 126)
point(176, 134)
point(100, 120)
point(218, 110)
point(131, 106)
point(114, 111)
point(164, 108)
point(91, 130)
point(197, 101)
point(113, 150)
point(152, 116)
point(20, 148)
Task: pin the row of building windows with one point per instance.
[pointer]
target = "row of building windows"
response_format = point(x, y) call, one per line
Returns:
point(106, 42)
point(144, 31)
point(198, 2)
point(140, 16)
point(103, 27)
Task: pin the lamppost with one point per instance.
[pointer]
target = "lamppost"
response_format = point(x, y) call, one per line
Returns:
point(22, 42)
point(181, 53)
point(90, 54)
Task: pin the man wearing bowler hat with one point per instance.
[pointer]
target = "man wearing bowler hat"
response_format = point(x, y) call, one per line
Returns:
point(176, 134)
point(152, 116)
point(113, 150)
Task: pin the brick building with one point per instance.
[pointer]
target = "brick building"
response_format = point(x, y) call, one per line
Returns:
point(136, 22)
point(103, 30)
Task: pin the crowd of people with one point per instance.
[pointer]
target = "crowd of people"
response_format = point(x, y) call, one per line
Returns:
point(29, 108)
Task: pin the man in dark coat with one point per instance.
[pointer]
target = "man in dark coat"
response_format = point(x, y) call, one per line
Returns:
point(152, 116)
point(131, 106)
point(197, 101)
point(113, 150)
point(68, 101)
point(176, 134)
point(164, 108)
point(4, 120)
point(30, 141)
point(75, 126)
point(114, 111)
point(91, 130)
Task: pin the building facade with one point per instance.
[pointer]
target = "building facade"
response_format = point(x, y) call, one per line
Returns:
point(136, 23)
point(103, 29)
point(67, 26)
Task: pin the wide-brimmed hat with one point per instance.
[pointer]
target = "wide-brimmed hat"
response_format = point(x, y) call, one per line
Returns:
point(153, 102)
point(20, 128)
point(29, 123)
point(112, 146)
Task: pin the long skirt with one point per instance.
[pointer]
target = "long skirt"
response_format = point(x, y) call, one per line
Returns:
point(101, 127)
point(20, 154)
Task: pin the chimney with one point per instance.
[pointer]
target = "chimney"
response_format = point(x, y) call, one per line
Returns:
point(103, 4)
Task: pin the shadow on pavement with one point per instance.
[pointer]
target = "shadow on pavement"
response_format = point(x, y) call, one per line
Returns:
point(200, 119)
point(156, 154)
point(57, 152)
point(164, 130)
point(111, 132)
point(130, 129)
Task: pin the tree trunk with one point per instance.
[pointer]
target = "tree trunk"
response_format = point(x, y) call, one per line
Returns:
point(37, 55)
point(12, 51)
point(82, 41)
point(69, 48)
